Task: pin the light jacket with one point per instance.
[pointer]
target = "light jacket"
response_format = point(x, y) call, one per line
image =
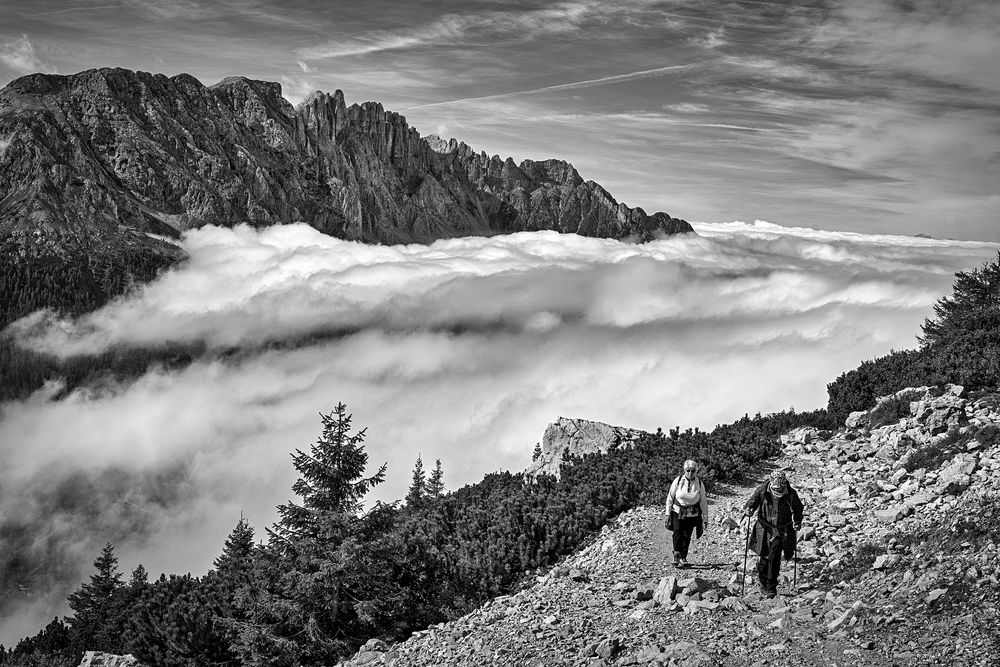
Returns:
point(674, 504)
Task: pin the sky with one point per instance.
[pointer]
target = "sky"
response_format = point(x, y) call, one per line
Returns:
point(871, 116)
point(463, 351)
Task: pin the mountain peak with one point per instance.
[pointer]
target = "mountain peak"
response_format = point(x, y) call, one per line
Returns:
point(101, 158)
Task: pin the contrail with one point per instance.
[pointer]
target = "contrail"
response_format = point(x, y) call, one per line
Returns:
point(76, 9)
point(617, 78)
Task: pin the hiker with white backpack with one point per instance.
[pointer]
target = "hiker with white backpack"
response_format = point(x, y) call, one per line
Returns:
point(687, 508)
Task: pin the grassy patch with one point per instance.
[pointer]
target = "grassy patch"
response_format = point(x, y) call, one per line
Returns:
point(933, 454)
point(889, 411)
point(859, 562)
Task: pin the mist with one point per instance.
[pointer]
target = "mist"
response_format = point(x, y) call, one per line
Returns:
point(461, 351)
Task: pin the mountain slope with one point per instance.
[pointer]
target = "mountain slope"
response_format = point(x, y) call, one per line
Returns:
point(897, 564)
point(101, 163)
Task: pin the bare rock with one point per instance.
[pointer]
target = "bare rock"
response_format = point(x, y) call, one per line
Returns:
point(575, 437)
point(99, 659)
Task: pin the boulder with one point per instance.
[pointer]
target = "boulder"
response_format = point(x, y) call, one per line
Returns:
point(856, 419)
point(886, 562)
point(957, 476)
point(842, 492)
point(666, 590)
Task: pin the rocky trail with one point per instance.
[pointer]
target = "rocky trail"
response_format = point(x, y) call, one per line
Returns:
point(865, 595)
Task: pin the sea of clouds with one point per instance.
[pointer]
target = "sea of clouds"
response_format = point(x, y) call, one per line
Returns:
point(461, 351)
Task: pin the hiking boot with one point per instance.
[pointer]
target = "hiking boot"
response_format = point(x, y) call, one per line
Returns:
point(764, 588)
point(677, 558)
point(772, 592)
point(682, 563)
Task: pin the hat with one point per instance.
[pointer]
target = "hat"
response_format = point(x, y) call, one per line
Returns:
point(778, 484)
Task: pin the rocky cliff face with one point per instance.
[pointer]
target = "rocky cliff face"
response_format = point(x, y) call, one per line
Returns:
point(576, 437)
point(162, 154)
point(110, 156)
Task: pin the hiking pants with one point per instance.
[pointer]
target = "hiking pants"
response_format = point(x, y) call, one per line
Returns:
point(682, 535)
point(769, 565)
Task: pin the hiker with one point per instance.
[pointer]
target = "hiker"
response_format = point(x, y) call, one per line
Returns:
point(687, 505)
point(779, 518)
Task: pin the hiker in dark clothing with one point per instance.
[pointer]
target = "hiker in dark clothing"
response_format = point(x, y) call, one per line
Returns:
point(779, 517)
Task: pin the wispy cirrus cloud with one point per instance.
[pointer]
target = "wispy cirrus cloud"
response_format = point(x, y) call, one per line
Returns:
point(297, 88)
point(21, 57)
point(472, 27)
point(952, 42)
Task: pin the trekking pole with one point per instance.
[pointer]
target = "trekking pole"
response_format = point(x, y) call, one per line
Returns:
point(795, 562)
point(746, 553)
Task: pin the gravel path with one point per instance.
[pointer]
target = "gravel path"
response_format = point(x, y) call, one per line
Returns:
point(601, 607)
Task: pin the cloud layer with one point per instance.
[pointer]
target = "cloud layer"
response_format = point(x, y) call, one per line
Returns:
point(461, 351)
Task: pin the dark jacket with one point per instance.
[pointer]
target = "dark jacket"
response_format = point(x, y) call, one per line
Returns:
point(775, 520)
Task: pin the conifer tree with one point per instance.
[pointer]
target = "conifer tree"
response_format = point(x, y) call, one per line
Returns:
point(435, 485)
point(316, 587)
point(102, 586)
point(418, 486)
point(332, 481)
point(96, 617)
point(237, 550)
point(179, 621)
point(537, 452)
point(139, 577)
point(974, 306)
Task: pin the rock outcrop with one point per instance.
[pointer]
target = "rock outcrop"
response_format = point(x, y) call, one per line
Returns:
point(577, 437)
point(98, 659)
point(115, 159)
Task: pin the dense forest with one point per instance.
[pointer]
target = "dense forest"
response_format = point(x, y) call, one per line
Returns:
point(327, 575)
point(72, 286)
point(84, 280)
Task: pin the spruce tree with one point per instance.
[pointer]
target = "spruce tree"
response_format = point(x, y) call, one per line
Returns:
point(332, 481)
point(418, 486)
point(96, 621)
point(102, 586)
point(318, 586)
point(435, 486)
point(139, 577)
point(237, 550)
point(973, 307)
point(537, 452)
